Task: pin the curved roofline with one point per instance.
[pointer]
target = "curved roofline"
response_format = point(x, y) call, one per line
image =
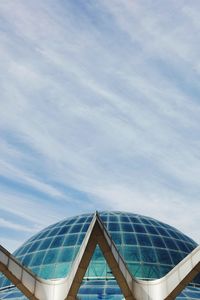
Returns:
point(120, 212)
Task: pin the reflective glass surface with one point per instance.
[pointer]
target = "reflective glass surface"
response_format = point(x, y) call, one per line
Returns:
point(149, 247)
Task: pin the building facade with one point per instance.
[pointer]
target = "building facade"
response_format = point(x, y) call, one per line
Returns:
point(149, 250)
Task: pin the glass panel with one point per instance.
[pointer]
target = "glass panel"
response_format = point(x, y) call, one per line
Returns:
point(151, 229)
point(98, 256)
point(112, 218)
point(124, 219)
point(132, 254)
point(64, 230)
point(145, 221)
point(164, 270)
point(81, 220)
point(129, 239)
point(170, 243)
point(45, 244)
point(76, 228)
point(38, 258)
point(127, 227)
point(191, 246)
point(173, 234)
point(26, 260)
point(53, 232)
point(135, 269)
point(139, 228)
point(51, 256)
point(163, 256)
point(25, 249)
point(43, 234)
point(144, 240)
point(113, 227)
point(150, 271)
point(134, 220)
point(157, 241)
point(34, 246)
point(71, 240)
point(80, 239)
point(117, 238)
point(104, 218)
point(162, 231)
point(57, 242)
point(85, 227)
point(47, 272)
point(66, 255)
point(148, 254)
point(176, 257)
point(182, 246)
point(61, 270)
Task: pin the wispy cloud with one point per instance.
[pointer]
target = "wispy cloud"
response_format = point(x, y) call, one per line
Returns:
point(14, 226)
point(99, 110)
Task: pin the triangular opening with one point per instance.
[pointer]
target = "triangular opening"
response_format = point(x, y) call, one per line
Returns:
point(80, 274)
point(99, 282)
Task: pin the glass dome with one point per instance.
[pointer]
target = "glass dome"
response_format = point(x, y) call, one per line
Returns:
point(149, 247)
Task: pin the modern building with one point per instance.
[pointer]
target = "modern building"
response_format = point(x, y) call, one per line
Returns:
point(106, 255)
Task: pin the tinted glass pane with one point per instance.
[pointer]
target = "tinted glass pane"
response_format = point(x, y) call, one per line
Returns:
point(143, 239)
point(182, 246)
point(144, 221)
point(71, 240)
point(66, 254)
point(76, 228)
point(47, 272)
point(130, 239)
point(50, 256)
point(113, 227)
point(170, 244)
point(34, 246)
point(127, 227)
point(139, 228)
point(163, 255)
point(148, 254)
point(162, 231)
point(45, 244)
point(57, 242)
point(112, 218)
point(151, 229)
point(37, 259)
point(26, 260)
point(176, 257)
point(85, 227)
point(53, 232)
point(64, 230)
point(157, 241)
point(124, 219)
point(117, 238)
point(132, 254)
point(62, 269)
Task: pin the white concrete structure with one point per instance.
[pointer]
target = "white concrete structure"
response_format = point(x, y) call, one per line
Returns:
point(36, 288)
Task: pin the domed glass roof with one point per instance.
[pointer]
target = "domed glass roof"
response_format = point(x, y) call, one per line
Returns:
point(149, 247)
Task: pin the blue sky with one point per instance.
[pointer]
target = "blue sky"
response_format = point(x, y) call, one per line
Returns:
point(100, 109)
